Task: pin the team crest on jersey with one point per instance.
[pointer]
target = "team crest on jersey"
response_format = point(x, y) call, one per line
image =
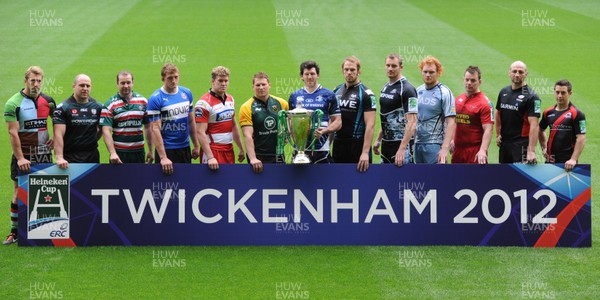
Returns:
point(183, 96)
point(274, 108)
point(568, 115)
point(94, 111)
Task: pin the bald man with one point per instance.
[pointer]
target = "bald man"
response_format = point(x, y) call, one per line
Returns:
point(517, 116)
point(76, 126)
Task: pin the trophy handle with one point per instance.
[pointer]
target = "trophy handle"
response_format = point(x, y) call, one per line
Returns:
point(315, 123)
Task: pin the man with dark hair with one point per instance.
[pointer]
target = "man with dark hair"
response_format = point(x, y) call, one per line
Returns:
point(171, 115)
point(474, 122)
point(26, 114)
point(567, 128)
point(216, 128)
point(258, 118)
point(358, 105)
point(76, 126)
point(313, 96)
point(398, 110)
point(517, 117)
point(124, 121)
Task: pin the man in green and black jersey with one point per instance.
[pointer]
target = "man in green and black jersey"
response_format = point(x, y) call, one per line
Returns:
point(76, 126)
point(124, 121)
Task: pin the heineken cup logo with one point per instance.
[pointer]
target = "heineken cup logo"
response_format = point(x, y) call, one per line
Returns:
point(48, 207)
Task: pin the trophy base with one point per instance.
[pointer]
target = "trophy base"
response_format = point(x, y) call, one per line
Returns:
point(301, 158)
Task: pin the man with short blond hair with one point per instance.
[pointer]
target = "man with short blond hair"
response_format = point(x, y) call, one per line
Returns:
point(216, 128)
point(171, 116)
point(26, 114)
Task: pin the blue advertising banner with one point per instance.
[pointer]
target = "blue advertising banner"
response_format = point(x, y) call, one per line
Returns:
point(479, 205)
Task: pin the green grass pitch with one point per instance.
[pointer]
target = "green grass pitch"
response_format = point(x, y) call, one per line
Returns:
point(557, 39)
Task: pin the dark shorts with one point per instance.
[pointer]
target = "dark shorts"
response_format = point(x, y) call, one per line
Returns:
point(348, 151)
point(269, 159)
point(177, 156)
point(90, 156)
point(513, 151)
point(389, 150)
point(137, 157)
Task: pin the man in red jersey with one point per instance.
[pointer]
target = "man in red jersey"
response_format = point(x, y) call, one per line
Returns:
point(474, 122)
point(216, 127)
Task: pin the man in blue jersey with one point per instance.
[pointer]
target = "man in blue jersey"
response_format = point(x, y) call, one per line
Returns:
point(312, 97)
point(352, 143)
point(171, 115)
point(436, 118)
point(398, 110)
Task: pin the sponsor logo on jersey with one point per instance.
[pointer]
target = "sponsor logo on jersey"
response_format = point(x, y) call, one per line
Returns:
point(582, 126)
point(225, 115)
point(74, 111)
point(35, 124)
point(269, 123)
point(48, 207)
point(537, 106)
point(509, 106)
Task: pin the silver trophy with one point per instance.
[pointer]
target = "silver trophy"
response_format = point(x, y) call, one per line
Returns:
point(300, 127)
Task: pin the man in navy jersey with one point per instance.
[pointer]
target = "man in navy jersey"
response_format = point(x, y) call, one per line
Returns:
point(77, 126)
point(517, 116)
point(312, 97)
point(171, 115)
point(358, 105)
point(26, 114)
point(567, 128)
point(398, 108)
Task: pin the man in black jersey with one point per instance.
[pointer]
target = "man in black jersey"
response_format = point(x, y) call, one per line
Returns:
point(398, 107)
point(352, 143)
point(567, 128)
point(517, 115)
point(76, 126)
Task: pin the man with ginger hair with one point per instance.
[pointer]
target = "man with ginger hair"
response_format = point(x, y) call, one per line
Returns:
point(436, 117)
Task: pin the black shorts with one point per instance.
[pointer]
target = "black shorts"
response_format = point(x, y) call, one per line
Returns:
point(90, 156)
point(177, 156)
point(137, 157)
point(348, 151)
point(513, 151)
point(269, 159)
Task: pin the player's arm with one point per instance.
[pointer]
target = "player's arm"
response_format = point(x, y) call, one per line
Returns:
point(149, 142)
point(165, 162)
point(542, 138)
point(533, 139)
point(201, 128)
point(363, 163)
point(448, 136)
point(15, 142)
point(237, 140)
point(409, 131)
point(579, 144)
point(193, 136)
point(378, 142)
point(498, 128)
point(248, 132)
point(59, 133)
point(110, 145)
point(485, 143)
